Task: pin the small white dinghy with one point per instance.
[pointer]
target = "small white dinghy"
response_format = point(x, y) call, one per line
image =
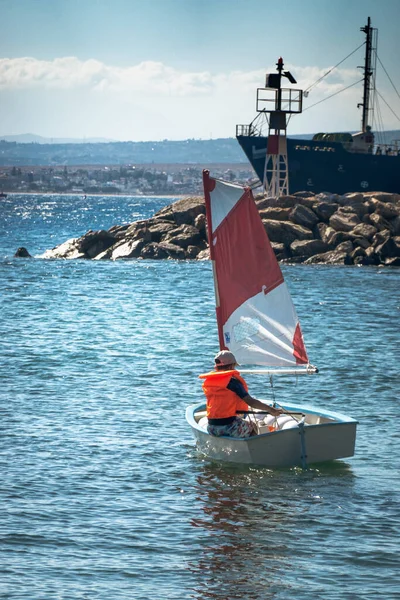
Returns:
point(310, 436)
point(257, 321)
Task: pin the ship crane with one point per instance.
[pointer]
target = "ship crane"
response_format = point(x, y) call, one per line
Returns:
point(279, 103)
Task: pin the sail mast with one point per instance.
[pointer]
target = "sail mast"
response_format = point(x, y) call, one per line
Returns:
point(208, 185)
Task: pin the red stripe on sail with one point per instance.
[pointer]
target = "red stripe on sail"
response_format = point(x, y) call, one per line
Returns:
point(245, 261)
point(299, 350)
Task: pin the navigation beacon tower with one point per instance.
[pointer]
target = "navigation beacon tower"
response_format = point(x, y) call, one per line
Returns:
point(278, 102)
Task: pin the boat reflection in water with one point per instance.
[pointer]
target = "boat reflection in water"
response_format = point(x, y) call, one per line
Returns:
point(258, 526)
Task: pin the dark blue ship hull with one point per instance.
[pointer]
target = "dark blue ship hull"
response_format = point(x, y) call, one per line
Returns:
point(328, 166)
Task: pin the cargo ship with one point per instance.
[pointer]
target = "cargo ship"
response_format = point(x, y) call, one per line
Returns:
point(333, 162)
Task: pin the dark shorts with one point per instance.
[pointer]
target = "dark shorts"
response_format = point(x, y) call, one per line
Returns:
point(239, 428)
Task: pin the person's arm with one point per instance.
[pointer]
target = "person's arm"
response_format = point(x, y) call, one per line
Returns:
point(254, 403)
point(236, 387)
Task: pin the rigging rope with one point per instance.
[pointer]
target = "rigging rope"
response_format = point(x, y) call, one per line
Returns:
point(380, 95)
point(387, 74)
point(335, 67)
point(271, 381)
point(379, 128)
point(335, 94)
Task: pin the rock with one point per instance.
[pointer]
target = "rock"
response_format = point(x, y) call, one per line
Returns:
point(385, 209)
point(172, 250)
point(356, 254)
point(324, 232)
point(308, 247)
point(343, 221)
point(294, 260)
point(88, 246)
point(304, 216)
point(192, 251)
point(153, 251)
point(275, 213)
point(379, 222)
point(383, 197)
point(365, 260)
point(395, 225)
point(129, 249)
point(354, 203)
point(22, 253)
point(305, 194)
point(345, 247)
point(159, 229)
point(262, 203)
point(392, 262)
point(308, 202)
point(334, 238)
point(184, 236)
point(328, 197)
point(95, 242)
point(285, 232)
point(200, 223)
point(68, 249)
point(183, 212)
point(370, 254)
point(204, 254)
point(359, 241)
point(281, 251)
point(330, 258)
point(286, 201)
point(324, 210)
point(119, 231)
point(390, 248)
point(350, 198)
point(364, 230)
point(141, 230)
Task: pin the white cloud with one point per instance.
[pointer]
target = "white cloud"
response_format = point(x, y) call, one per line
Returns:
point(151, 77)
point(70, 72)
point(68, 97)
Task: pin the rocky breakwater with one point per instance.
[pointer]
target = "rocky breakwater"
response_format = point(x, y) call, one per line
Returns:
point(353, 229)
point(176, 231)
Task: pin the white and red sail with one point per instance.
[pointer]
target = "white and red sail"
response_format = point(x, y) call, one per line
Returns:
point(255, 314)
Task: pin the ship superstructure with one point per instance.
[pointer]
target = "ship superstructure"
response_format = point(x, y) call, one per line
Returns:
point(335, 162)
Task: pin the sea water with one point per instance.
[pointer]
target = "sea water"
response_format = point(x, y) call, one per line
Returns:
point(103, 495)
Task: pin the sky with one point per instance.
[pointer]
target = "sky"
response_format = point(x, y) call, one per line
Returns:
point(179, 69)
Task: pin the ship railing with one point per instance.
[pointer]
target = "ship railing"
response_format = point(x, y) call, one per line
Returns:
point(245, 130)
point(392, 149)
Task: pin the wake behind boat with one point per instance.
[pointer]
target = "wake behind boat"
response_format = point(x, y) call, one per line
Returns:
point(258, 323)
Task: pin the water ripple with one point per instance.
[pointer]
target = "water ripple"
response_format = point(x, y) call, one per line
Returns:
point(103, 493)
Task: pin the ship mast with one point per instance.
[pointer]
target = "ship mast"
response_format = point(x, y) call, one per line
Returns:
point(368, 72)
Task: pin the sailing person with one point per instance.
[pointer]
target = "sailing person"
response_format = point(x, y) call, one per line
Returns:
point(227, 394)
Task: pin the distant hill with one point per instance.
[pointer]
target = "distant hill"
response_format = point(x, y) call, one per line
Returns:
point(32, 138)
point(223, 150)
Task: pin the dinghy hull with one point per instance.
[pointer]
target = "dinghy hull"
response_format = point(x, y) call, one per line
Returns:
point(325, 436)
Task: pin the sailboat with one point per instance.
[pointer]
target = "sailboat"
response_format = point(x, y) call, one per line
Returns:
point(258, 323)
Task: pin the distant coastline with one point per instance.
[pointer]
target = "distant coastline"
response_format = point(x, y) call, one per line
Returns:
point(189, 151)
point(167, 196)
point(170, 180)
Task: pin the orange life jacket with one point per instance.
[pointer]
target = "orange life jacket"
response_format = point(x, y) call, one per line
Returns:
point(221, 402)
